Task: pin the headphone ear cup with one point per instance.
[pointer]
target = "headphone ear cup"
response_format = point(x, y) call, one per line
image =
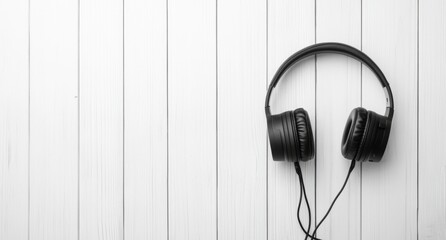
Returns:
point(354, 133)
point(375, 138)
point(282, 137)
point(276, 137)
point(304, 135)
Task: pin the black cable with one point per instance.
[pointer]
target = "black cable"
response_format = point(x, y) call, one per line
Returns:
point(298, 209)
point(352, 166)
point(307, 233)
point(302, 187)
point(302, 190)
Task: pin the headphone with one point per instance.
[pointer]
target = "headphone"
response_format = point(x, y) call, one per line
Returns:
point(366, 132)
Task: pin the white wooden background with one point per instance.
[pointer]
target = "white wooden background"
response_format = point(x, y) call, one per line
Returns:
point(135, 119)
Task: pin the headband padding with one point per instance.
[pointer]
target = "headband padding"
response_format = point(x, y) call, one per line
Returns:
point(305, 145)
point(354, 133)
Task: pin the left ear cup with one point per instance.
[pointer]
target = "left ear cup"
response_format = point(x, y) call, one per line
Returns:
point(290, 136)
point(304, 135)
point(281, 137)
point(354, 133)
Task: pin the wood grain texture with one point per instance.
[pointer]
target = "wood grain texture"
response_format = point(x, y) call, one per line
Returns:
point(192, 119)
point(101, 120)
point(338, 92)
point(291, 26)
point(144, 119)
point(389, 190)
point(432, 167)
point(145, 105)
point(14, 107)
point(54, 120)
point(241, 135)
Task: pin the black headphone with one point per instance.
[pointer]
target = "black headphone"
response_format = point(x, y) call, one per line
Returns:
point(366, 132)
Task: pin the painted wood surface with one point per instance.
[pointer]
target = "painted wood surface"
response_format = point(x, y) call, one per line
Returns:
point(54, 120)
point(140, 119)
point(192, 119)
point(14, 119)
point(101, 120)
point(145, 117)
point(242, 181)
point(431, 97)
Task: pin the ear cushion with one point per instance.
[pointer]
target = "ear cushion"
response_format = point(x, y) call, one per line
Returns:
point(354, 133)
point(304, 133)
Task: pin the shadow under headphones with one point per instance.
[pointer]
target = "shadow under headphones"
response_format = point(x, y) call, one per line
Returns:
point(365, 134)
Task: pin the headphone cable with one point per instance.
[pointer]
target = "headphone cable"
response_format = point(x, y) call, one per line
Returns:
point(352, 166)
point(302, 190)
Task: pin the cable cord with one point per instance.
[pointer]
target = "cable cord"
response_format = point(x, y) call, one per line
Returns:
point(302, 191)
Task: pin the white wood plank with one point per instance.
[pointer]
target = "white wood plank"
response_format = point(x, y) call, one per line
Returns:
point(389, 190)
point(192, 119)
point(145, 84)
point(291, 26)
point(14, 89)
point(54, 120)
point(338, 92)
point(101, 119)
point(241, 126)
point(432, 73)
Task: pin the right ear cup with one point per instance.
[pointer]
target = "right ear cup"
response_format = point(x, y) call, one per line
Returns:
point(375, 138)
point(354, 133)
point(304, 135)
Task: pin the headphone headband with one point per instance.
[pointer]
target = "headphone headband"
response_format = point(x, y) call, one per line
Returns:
point(333, 48)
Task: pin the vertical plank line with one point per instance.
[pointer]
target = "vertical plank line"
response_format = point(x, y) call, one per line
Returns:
point(360, 165)
point(360, 99)
point(418, 114)
point(315, 118)
point(123, 120)
point(78, 120)
point(167, 116)
point(216, 119)
point(29, 115)
point(266, 145)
